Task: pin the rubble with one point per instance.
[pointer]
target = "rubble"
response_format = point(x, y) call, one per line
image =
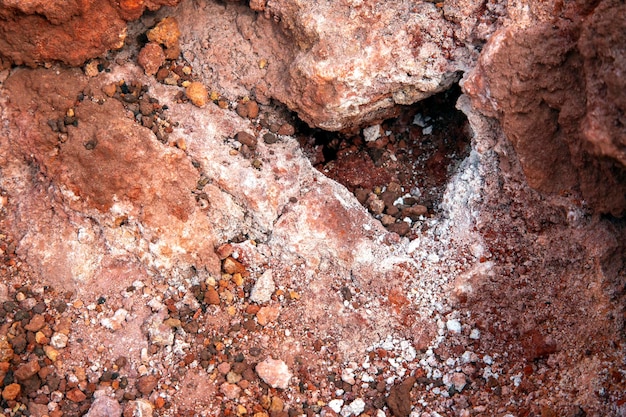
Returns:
point(179, 235)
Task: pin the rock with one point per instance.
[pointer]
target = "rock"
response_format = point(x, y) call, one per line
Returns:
point(58, 340)
point(457, 380)
point(90, 28)
point(197, 93)
point(6, 351)
point(277, 405)
point(166, 33)
point(267, 314)
point(376, 206)
point(76, 395)
point(566, 138)
point(37, 410)
point(27, 370)
point(401, 228)
point(270, 138)
point(233, 266)
point(151, 57)
point(51, 353)
point(399, 399)
point(11, 392)
point(347, 376)
point(263, 288)
point(224, 368)
point(356, 407)
point(104, 407)
point(246, 139)
point(414, 212)
point(212, 297)
point(231, 391)
point(40, 32)
point(160, 334)
point(453, 326)
point(146, 384)
point(335, 405)
point(135, 186)
point(233, 377)
point(370, 134)
point(4, 291)
point(138, 408)
point(274, 372)
point(286, 129)
point(36, 323)
point(117, 321)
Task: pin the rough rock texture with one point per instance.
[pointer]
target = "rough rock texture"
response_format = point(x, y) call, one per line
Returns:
point(502, 302)
point(556, 88)
point(100, 171)
point(338, 64)
point(72, 31)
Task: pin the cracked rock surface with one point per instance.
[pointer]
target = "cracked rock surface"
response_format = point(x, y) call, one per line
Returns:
point(170, 245)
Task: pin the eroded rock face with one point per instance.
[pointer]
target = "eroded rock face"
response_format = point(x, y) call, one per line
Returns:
point(101, 168)
point(101, 208)
point(554, 87)
point(339, 65)
point(35, 32)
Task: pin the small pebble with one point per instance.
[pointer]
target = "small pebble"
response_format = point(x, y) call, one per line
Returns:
point(146, 384)
point(246, 139)
point(274, 372)
point(270, 138)
point(27, 370)
point(263, 288)
point(267, 314)
point(224, 368)
point(139, 408)
point(212, 297)
point(233, 377)
point(286, 130)
point(151, 58)
point(197, 93)
point(335, 405)
point(231, 391)
point(51, 353)
point(453, 326)
point(233, 266)
point(58, 340)
point(104, 406)
point(11, 391)
point(76, 395)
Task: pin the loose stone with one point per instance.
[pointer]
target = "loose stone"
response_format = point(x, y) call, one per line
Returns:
point(274, 372)
point(263, 288)
point(11, 391)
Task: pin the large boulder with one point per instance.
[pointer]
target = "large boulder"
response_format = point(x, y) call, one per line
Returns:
point(556, 90)
point(37, 32)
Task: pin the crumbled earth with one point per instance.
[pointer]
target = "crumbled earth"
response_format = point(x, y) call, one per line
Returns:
point(173, 242)
point(399, 169)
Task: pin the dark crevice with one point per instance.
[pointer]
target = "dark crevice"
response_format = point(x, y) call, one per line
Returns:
point(402, 174)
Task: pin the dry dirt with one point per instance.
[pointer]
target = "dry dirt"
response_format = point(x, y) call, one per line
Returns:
point(170, 254)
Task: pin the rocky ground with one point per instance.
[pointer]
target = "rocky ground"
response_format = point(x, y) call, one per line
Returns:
point(239, 213)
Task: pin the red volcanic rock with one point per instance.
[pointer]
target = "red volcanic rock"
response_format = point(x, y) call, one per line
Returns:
point(35, 32)
point(151, 57)
point(339, 65)
point(106, 165)
point(555, 89)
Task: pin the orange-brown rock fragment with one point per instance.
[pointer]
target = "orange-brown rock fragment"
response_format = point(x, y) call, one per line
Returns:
point(166, 33)
point(197, 93)
point(151, 57)
point(35, 32)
